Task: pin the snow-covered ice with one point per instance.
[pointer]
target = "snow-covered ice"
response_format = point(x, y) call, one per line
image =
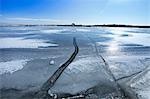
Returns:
point(11, 66)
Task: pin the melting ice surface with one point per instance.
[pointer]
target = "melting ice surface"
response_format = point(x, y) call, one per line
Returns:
point(26, 54)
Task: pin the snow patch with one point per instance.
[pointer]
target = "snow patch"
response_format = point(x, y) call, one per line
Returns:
point(12, 66)
point(23, 43)
point(83, 30)
point(53, 31)
point(52, 62)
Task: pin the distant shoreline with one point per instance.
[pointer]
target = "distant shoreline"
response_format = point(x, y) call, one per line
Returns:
point(134, 26)
point(111, 25)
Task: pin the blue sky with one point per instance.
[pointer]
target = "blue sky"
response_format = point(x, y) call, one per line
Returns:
point(78, 11)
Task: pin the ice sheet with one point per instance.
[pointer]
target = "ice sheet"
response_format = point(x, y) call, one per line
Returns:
point(124, 49)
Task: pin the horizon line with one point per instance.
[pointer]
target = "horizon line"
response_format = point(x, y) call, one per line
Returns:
point(82, 25)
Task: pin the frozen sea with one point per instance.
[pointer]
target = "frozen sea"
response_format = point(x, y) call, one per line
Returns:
point(29, 55)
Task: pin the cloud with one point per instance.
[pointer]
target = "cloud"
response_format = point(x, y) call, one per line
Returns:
point(34, 19)
point(26, 20)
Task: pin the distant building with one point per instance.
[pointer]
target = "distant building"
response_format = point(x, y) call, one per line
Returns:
point(73, 24)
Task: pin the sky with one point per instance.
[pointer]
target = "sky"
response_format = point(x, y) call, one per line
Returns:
point(75, 11)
